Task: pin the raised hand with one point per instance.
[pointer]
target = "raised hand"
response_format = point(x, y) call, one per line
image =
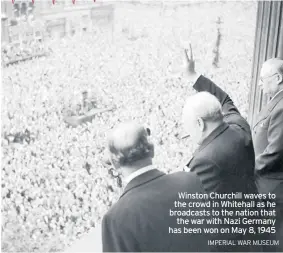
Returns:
point(190, 61)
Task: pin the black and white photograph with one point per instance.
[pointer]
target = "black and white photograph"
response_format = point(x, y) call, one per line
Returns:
point(141, 126)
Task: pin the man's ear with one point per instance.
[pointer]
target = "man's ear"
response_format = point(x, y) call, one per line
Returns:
point(279, 78)
point(148, 131)
point(200, 124)
point(151, 150)
point(114, 164)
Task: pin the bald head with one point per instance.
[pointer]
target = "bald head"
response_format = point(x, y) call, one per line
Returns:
point(273, 66)
point(203, 105)
point(128, 143)
point(271, 76)
point(202, 113)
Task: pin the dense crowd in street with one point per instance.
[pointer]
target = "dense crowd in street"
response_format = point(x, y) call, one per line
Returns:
point(54, 184)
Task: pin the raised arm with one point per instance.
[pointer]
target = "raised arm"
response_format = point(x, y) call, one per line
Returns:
point(201, 83)
point(205, 84)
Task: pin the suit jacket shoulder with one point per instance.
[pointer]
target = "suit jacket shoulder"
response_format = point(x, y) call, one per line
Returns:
point(225, 160)
point(140, 220)
point(274, 104)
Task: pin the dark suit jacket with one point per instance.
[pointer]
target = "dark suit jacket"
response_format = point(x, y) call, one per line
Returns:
point(268, 144)
point(225, 160)
point(140, 220)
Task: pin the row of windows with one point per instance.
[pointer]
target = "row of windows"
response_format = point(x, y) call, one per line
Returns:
point(23, 8)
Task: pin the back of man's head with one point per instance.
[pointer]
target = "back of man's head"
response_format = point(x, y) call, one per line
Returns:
point(202, 113)
point(128, 144)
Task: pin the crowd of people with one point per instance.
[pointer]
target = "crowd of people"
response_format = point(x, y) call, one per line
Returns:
point(25, 40)
point(54, 185)
point(232, 157)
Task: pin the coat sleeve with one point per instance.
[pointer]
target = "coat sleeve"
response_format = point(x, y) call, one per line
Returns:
point(207, 173)
point(272, 157)
point(230, 111)
point(115, 238)
point(108, 244)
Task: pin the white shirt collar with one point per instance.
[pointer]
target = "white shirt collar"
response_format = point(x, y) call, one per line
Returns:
point(138, 173)
point(275, 95)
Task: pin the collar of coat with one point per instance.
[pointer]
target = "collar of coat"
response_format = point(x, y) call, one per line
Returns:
point(265, 112)
point(273, 102)
point(213, 135)
point(142, 179)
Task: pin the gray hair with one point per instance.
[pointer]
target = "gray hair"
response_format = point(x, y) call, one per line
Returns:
point(128, 143)
point(203, 105)
point(275, 64)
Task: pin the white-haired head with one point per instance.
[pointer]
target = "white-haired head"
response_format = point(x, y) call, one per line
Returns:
point(271, 76)
point(202, 113)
